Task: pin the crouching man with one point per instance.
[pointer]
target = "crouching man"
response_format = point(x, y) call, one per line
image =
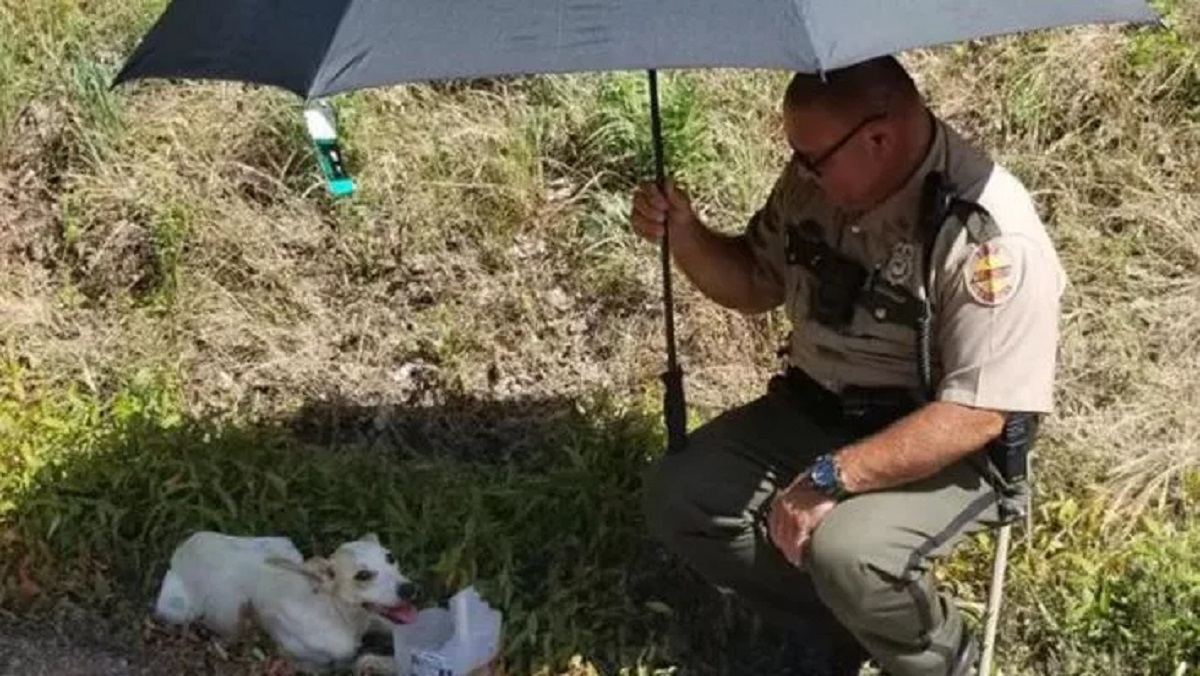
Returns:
point(823, 502)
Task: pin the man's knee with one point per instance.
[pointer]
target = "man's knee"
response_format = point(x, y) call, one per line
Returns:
point(656, 497)
point(687, 492)
point(854, 569)
point(668, 501)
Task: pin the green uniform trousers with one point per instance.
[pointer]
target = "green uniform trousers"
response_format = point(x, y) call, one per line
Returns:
point(869, 560)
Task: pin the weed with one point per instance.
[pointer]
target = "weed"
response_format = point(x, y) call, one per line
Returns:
point(99, 491)
point(1092, 593)
point(617, 136)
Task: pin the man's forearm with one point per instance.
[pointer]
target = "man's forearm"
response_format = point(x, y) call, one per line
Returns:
point(722, 268)
point(917, 446)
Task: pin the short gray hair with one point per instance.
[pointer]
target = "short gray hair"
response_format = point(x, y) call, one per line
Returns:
point(874, 86)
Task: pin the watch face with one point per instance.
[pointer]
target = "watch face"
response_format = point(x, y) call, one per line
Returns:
point(824, 474)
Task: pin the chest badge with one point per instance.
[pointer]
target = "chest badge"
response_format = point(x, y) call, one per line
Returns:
point(900, 265)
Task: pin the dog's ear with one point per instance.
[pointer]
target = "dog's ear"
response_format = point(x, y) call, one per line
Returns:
point(317, 570)
point(322, 568)
point(370, 537)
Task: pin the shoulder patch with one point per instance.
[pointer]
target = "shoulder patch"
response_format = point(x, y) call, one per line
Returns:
point(992, 273)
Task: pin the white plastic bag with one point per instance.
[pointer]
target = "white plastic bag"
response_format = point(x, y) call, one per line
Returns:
point(461, 641)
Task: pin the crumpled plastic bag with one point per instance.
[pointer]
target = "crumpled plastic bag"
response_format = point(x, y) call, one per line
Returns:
point(463, 640)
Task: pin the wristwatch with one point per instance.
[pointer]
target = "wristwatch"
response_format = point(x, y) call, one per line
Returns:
point(826, 477)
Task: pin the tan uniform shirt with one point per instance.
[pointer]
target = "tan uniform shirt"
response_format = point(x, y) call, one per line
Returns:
point(995, 305)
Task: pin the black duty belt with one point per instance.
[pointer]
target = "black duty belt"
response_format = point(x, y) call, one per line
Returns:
point(866, 405)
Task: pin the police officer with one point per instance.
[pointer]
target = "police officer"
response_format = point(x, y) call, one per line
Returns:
point(832, 492)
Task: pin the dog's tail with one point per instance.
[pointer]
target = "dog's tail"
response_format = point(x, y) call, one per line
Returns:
point(174, 605)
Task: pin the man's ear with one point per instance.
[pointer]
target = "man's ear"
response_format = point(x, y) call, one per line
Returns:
point(880, 140)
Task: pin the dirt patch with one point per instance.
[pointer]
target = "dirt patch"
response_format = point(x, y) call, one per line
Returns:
point(74, 642)
point(28, 188)
point(33, 653)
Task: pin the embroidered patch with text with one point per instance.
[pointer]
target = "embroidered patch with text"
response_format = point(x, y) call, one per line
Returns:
point(991, 274)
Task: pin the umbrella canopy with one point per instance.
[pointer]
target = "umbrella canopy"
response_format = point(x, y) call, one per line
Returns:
point(316, 48)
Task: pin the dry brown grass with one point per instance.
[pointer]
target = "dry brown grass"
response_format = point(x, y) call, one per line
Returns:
point(487, 250)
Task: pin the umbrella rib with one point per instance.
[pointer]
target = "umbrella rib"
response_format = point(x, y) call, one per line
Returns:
point(800, 9)
point(354, 61)
point(320, 67)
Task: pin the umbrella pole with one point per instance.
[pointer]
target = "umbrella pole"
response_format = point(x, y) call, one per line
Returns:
point(674, 406)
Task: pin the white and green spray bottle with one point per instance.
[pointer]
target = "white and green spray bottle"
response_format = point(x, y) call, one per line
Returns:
point(321, 121)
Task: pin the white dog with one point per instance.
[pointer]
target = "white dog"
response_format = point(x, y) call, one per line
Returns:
point(317, 611)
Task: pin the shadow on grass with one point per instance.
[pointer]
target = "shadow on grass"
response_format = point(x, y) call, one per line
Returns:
point(535, 502)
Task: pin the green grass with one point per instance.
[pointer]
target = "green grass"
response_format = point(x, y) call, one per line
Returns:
point(1081, 599)
point(1138, 605)
point(99, 488)
point(98, 491)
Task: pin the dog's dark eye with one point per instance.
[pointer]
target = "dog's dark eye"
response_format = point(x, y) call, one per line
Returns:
point(364, 575)
point(390, 559)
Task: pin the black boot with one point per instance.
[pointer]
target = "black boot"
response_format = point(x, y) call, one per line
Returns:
point(804, 660)
point(966, 660)
point(823, 648)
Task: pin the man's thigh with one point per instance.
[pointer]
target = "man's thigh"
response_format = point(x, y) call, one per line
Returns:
point(887, 539)
point(736, 461)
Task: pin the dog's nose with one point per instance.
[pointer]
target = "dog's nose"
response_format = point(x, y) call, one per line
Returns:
point(407, 591)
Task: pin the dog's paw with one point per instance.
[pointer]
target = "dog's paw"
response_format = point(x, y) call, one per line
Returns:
point(374, 665)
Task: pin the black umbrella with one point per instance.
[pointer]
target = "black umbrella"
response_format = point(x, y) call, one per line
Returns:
point(317, 48)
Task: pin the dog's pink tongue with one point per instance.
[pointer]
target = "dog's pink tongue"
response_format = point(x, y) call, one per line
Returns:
point(401, 613)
